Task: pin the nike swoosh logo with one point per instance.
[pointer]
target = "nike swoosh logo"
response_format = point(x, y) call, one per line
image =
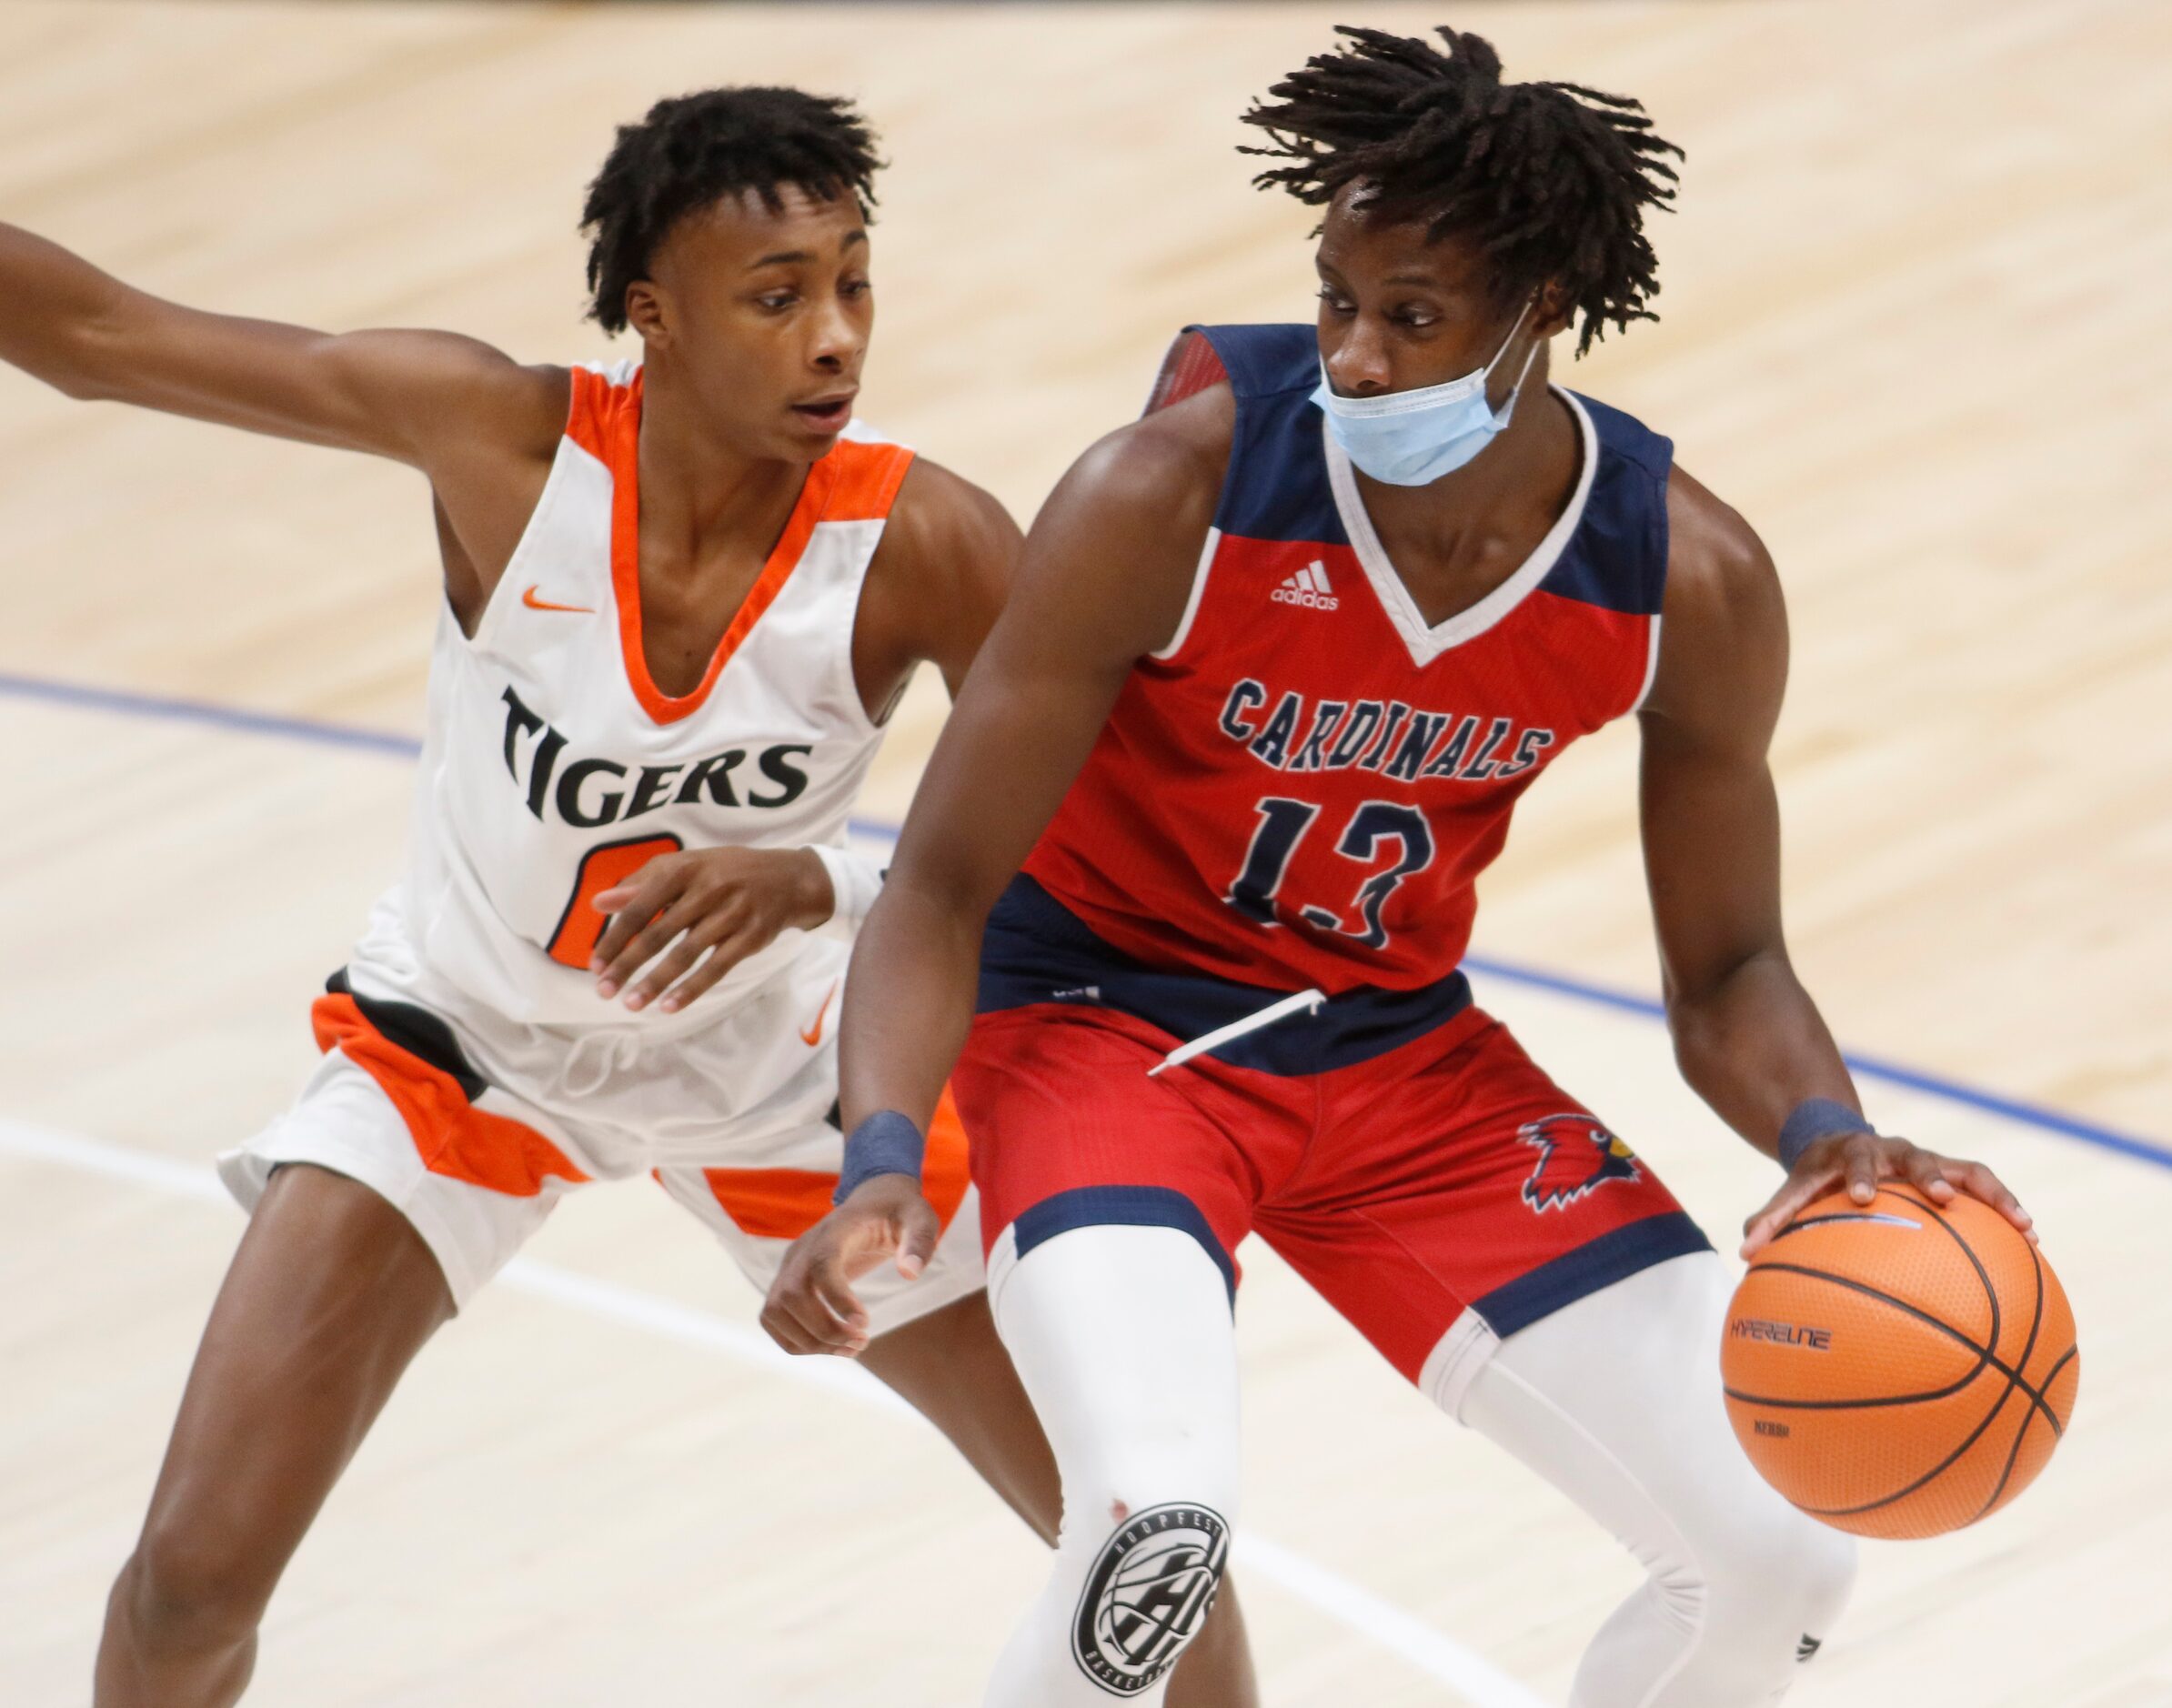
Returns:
point(535, 604)
point(811, 1038)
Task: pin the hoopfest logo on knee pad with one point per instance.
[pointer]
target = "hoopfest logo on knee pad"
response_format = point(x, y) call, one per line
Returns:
point(1576, 1156)
point(1148, 1593)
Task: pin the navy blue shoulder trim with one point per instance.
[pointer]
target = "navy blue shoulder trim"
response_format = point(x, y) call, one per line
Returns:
point(1617, 556)
point(1276, 486)
point(1264, 360)
point(1626, 437)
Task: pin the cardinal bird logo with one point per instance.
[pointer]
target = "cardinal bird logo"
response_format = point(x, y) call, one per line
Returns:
point(1576, 1156)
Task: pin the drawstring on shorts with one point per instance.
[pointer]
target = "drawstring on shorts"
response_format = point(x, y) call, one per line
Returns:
point(1309, 1001)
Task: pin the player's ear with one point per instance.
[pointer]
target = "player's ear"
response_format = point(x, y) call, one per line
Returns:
point(1555, 311)
point(648, 312)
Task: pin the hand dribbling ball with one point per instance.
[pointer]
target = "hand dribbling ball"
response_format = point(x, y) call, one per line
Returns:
point(1900, 1368)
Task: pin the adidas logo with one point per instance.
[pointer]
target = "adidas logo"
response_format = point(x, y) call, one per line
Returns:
point(1309, 588)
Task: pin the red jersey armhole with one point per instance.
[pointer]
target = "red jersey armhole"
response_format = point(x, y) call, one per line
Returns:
point(1192, 366)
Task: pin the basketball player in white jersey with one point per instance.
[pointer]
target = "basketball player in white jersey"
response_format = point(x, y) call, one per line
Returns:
point(680, 598)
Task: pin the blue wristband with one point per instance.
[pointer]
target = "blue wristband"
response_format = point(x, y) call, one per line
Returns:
point(1815, 1117)
point(886, 1142)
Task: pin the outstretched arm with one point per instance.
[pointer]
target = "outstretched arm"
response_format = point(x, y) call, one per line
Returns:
point(1749, 1040)
point(482, 427)
point(410, 395)
point(1105, 575)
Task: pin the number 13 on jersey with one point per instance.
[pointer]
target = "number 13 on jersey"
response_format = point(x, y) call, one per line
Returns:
point(1283, 824)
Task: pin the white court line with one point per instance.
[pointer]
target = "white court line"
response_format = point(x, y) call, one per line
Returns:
point(1438, 1657)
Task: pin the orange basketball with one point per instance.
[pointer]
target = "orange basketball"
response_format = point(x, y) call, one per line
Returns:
point(1899, 1368)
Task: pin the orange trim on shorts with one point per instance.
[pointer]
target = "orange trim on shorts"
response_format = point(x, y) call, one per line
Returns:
point(772, 1204)
point(944, 1173)
point(452, 1137)
point(854, 481)
point(784, 1203)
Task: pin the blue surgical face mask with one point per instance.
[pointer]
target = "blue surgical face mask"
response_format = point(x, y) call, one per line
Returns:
point(1410, 438)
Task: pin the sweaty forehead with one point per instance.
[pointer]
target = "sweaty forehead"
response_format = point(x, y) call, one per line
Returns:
point(741, 230)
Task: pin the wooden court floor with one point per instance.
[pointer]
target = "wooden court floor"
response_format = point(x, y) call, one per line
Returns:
point(1913, 298)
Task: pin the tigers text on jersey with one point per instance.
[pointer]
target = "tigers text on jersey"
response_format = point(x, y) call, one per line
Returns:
point(554, 768)
point(1301, 789)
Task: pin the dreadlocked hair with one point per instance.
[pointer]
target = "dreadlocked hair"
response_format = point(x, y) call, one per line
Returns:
point(694, 150)
point(1551, 180)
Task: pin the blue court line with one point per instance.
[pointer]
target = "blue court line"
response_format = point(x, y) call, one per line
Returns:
point(318, 732)
point(163, 709)
point(2012, 1109)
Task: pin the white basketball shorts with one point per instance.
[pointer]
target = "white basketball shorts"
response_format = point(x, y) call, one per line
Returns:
point(473, 1127)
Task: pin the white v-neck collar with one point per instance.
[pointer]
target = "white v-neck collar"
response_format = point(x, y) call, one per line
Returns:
point(1427, 644)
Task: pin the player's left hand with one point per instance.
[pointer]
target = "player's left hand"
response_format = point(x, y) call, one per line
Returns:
point(811, 1307)
point(1862, 1159)
point(729, 902)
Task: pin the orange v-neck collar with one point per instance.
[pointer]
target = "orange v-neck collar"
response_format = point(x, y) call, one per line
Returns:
point(623, 442)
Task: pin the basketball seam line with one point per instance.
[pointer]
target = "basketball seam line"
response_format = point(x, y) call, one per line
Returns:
point(1974, 1263)
point(1988, 1359)
point(2014, 1375)
point(2036, 1326)
point(1985, 1357)
point(2006, 1475)
point(1928, 1477)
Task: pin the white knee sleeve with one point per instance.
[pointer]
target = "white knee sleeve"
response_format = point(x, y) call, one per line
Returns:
point(1616, 1401)
point(1122, 1338)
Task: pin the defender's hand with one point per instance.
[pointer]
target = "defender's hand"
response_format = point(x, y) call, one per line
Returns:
point(729, 901)
point(1862, 1159)
point(811, 1307)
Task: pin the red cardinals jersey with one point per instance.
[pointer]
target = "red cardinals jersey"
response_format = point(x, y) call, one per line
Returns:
point(1301, 791)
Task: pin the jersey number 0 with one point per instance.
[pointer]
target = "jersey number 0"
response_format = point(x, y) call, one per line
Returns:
point(604, 866)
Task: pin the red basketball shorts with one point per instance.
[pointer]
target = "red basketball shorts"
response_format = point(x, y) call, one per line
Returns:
point(1399, 1150)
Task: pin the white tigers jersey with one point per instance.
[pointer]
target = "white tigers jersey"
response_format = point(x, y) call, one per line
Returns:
point(553, 766)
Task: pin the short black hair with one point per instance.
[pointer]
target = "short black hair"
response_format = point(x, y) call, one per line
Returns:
point(1550, 179)
point(693, 150)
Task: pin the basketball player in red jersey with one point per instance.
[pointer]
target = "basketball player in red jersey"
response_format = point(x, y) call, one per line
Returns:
point(682, 596)
point(1279, 662)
